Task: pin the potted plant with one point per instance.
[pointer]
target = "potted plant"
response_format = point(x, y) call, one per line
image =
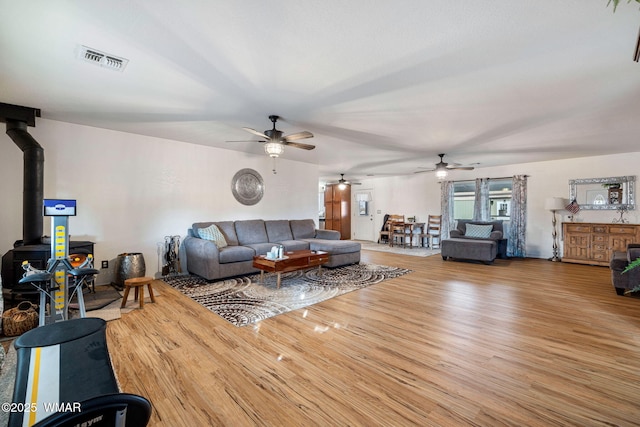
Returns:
point(633, 264)
point(615, 3)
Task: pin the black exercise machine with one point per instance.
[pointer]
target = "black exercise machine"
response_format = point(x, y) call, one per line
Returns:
point(64, 378)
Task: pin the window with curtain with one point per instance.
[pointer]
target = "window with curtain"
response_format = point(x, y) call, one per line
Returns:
point(469, 197)
point(500, 198)
point(463, 199)
point(506, 199)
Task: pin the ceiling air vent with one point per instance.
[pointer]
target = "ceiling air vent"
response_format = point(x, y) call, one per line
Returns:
point(102, 59)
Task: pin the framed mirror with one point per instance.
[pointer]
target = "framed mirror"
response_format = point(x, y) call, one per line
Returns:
point(604, 193)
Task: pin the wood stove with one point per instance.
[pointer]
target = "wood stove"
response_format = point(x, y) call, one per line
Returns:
point(32, 247)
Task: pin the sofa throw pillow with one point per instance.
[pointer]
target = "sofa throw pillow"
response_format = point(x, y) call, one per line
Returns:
point(214, 234)
point(479, 231)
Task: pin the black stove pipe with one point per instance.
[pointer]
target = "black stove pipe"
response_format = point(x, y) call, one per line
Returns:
point(33, 175)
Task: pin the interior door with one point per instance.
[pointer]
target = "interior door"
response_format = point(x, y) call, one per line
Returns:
point(362, 215)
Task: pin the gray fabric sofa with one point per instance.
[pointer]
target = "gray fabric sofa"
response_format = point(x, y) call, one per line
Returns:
point(462, 246)
point(247, 238)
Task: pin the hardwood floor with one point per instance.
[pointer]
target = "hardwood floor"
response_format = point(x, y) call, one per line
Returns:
point(518, 343)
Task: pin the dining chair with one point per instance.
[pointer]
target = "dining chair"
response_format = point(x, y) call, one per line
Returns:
point(397, 229)
point(385, 233)
point(433, 230)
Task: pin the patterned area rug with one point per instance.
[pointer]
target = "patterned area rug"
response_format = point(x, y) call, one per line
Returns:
point(243, 301)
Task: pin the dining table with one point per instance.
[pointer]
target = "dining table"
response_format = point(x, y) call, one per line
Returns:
point(410, 228)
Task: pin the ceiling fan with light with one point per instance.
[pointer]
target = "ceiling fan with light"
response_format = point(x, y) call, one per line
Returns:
point(274, 140)
point(442, 168)
point(342, 183)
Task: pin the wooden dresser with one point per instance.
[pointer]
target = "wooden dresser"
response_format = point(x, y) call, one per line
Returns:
point(594, 243)
point(337, 207)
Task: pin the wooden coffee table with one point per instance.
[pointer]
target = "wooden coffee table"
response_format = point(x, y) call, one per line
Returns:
point(293, 260)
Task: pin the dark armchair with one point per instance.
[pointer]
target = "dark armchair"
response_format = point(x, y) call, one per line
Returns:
point(619, 261)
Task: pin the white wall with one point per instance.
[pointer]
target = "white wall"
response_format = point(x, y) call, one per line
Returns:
point(134, 190)
point(419, 194)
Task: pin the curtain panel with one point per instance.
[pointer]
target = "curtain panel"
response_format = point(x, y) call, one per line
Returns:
point(516, 245)
point(482, 204)
point(446, 206)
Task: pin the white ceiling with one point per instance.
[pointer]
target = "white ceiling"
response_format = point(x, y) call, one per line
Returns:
point(384, 85)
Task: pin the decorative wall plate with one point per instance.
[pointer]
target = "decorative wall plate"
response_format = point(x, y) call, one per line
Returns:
point(247, 186)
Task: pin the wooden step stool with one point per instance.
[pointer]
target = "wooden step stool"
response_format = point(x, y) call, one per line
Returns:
point(137, 283)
